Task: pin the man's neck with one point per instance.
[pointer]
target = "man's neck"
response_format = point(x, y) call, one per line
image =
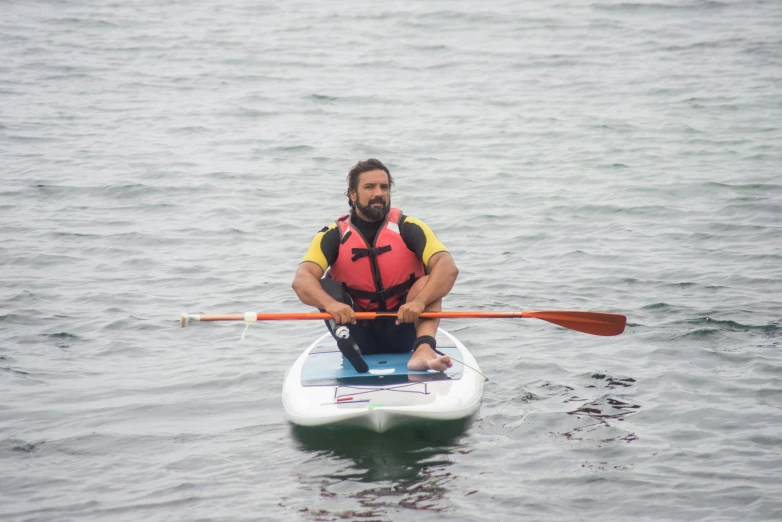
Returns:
point(367, 228)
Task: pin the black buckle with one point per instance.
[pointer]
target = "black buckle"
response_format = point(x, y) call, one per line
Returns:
point(358, 253)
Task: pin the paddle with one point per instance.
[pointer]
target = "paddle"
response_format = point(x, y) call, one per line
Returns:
point(595, 323)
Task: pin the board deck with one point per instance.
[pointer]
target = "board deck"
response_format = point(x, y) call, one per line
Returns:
point(323, 389)
point(326, 366)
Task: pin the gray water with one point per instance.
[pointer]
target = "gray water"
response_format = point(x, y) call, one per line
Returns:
point(171, 156)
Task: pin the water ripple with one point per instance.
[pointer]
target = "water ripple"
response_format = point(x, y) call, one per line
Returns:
point(609, 155)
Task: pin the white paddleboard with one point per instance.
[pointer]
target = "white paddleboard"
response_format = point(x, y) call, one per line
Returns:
point(323, 389)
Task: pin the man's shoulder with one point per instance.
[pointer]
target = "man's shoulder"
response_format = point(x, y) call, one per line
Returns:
point(324, 246)
point(327, 236)
point(327, 228)
point(404, 219)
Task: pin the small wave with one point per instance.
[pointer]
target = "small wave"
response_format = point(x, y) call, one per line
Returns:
point(612, 382)
point(713, 44)
point(614, 166)
point(324, 97)
point(19, 446)
point(638, 210)
point(190, 129)
point(61, 335)
point(29, 447)
point(70, 234)
point(525, 398)
point(71, 76)
point(606, 408)
point(32, 139)
point(14, 371)
point(294, 148)
point(657, 306)
point(430, 47)
point(83, 22)
point(253, 113)
point(673, 6)
point(556, 387)
point(743, 187)
point(733, 326)
point(43, 260)
point(118, 191)
point(701, 333)
point(602, 414)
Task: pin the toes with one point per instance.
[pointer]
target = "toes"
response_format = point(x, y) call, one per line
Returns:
point(440, 364)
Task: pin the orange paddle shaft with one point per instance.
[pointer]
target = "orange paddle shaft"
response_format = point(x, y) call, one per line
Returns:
point(595, 323)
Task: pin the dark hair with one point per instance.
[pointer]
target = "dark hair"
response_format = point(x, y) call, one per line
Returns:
point(361, 167)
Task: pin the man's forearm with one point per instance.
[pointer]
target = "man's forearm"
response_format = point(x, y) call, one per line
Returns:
point(310, 291)
point(440, 282)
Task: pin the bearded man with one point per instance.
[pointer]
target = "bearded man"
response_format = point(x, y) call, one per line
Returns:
point(375, 258)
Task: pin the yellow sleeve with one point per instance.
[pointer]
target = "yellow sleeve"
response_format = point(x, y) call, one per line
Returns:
point(426, 244)
point(315, 254)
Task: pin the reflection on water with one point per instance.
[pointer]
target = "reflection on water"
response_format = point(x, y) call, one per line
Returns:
point(407, 467)
point(398, 455)
point(602, 413)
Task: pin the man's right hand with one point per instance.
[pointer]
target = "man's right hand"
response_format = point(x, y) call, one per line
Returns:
point(342, 313)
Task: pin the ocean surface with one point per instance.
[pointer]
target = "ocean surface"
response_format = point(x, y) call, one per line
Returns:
point(178, 156)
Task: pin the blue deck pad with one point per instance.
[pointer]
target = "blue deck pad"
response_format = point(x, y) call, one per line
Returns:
point(325, 366)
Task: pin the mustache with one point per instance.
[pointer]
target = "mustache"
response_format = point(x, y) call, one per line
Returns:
point(377, 200)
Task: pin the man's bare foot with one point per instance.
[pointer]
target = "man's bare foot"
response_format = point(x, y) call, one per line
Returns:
point(424, 358)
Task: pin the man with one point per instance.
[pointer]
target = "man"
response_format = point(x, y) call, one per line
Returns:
point(380, 260)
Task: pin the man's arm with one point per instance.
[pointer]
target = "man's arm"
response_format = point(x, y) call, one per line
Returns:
point(441, 268)
point(307, 286)
point(442, 276)
point(321, 254)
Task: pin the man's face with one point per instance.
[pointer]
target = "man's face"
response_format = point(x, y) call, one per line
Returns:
point(372, 197)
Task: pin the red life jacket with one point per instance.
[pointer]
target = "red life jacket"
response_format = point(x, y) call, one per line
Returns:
point(376, 277)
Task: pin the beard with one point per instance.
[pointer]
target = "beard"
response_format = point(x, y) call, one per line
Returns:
point(374, 213)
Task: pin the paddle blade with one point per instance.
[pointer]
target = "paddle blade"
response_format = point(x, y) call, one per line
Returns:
point(595, 323)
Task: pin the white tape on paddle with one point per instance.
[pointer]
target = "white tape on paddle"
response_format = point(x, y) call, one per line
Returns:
point(186, 318)
point(249, 318)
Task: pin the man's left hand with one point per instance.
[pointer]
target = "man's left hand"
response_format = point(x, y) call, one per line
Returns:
point(409, 312)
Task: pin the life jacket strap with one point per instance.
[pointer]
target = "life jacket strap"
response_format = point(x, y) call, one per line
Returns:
point(358, 253)
point(387, 293)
